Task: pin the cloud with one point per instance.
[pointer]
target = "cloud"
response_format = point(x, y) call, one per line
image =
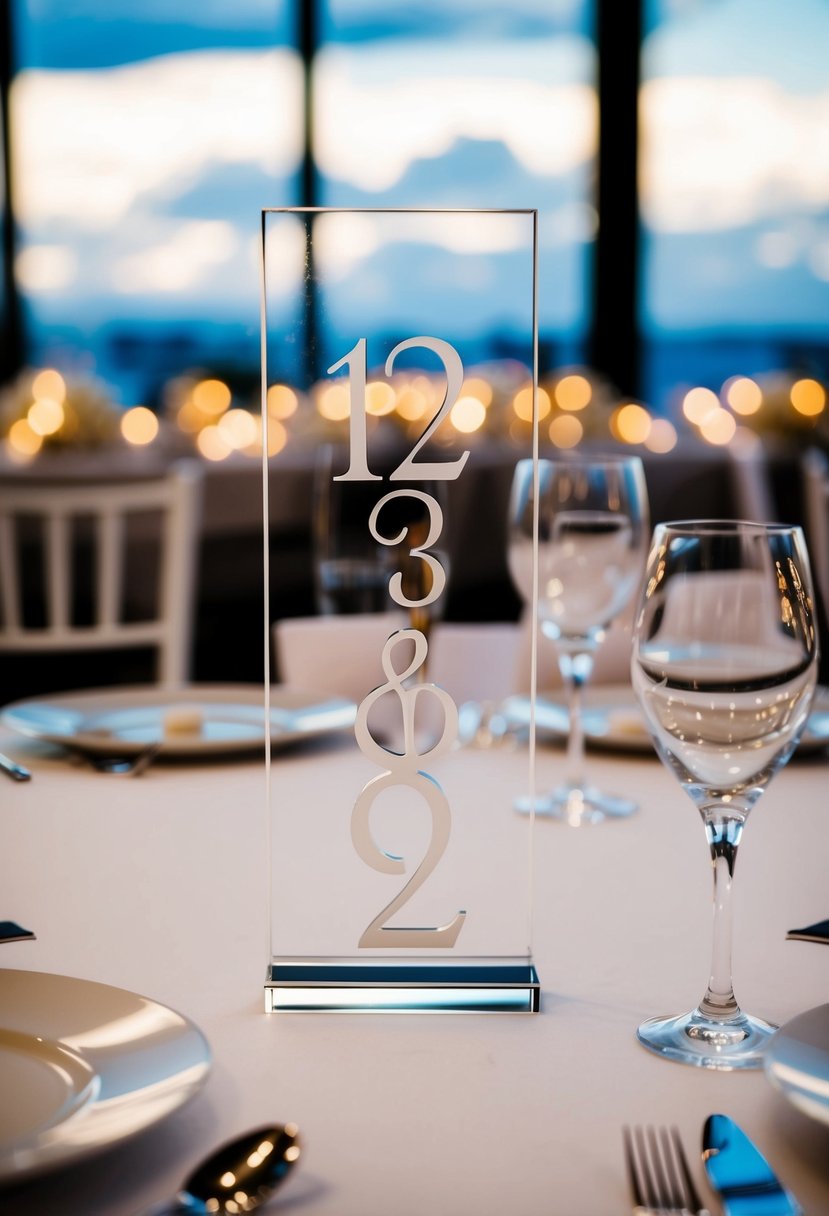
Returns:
point(723, 153)
point(87, 144)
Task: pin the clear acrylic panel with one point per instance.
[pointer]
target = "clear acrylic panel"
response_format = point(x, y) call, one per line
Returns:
point(399, 879)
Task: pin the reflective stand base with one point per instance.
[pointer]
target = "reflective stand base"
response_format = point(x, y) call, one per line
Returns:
point(388, 986)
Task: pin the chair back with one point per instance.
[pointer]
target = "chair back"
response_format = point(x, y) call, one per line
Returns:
point(50, 522)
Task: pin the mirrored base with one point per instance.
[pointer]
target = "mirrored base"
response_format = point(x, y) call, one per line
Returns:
point(693, 1039)
point(408, 986)
point(578, 805)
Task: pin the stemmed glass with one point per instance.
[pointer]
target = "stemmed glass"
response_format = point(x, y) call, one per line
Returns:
point(592, 536)
point(725, 666)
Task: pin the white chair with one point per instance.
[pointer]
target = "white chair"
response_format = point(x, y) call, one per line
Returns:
point(816, 503)
point(47, 520)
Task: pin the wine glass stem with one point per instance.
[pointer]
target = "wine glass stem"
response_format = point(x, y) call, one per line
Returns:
point(575, 666)
point(723, 832)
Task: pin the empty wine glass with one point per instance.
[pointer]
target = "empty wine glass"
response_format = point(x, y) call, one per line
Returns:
point(592, 536)
point(724, 665)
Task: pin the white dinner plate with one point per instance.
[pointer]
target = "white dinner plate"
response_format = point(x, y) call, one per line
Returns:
point(797, 1062)
point(192, 721)
point(613, 720)
point(84, 1066)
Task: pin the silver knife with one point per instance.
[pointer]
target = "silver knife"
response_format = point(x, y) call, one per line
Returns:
point(16, 771)
point(739, 1173)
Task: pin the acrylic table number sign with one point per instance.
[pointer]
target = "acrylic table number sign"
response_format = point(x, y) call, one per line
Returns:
point(400, 879)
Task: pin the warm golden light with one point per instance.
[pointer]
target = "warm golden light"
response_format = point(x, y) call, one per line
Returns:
point(282, 401)
point(238, 429)
point(808, 397)
point(743, 395)
point(631, 423)
point(211, 396)
point(718, 427)
point(573, 392)
point(292, 1153)
point(523, 403)
point(211, 443)
point(45, 416)
point(698, 402)
point(23, 439)
point(189, 418)
point(334, 402)
point(228, 1179)
point(277, 437)
point(380, 398)
point(49, 383)
point(411, 404)
point(565, 431)
point(468, 414)
point(139, 426)
point(662, 436)
point(476, 386)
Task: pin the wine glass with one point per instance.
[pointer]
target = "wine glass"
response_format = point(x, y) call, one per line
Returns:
point(724, 665)
point(592, 536)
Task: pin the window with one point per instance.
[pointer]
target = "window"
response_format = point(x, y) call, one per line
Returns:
point(734, 189)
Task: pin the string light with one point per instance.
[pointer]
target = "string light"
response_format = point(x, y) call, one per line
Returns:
point(139, 426)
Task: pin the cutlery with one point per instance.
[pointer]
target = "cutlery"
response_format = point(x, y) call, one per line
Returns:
point(739, 1173)
point(239, 1176)
point(658, 1174)
point(16, 771)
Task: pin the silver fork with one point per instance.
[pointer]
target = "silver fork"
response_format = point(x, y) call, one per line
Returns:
point(658, 1173)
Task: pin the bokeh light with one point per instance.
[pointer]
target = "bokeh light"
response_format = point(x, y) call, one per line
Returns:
point(476, 386)
point(662, 436)
point(282, 401)
point(808, 397)
point(139, 426)
point(522, 403)
point(573, 393)
point(238, 429)
point(334, 402)
point(743, 395)
point(23, 440)
point(631, 423)
point(45, 416)
point(380, 398)
point(212, 444)
point(211, 396)
point(566, 431)
point(718, 427)
point(468, 414)
point(698, 402)
point(50, 384)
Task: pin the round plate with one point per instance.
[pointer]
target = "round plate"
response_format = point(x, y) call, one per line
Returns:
point(613, 720)
point(191, 721)
point(84, 1066)
point(797, 1062)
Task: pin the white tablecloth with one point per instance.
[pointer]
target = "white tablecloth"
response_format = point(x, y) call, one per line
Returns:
point(158, 885)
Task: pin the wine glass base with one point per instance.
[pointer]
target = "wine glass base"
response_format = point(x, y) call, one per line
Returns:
point(577, 805)
point(694, 1039)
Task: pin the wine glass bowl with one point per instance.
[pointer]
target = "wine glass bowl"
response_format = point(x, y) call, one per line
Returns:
point(724, 665)
point(592, 535)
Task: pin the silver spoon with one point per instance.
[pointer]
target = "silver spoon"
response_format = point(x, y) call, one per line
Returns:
point(239, 1176)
